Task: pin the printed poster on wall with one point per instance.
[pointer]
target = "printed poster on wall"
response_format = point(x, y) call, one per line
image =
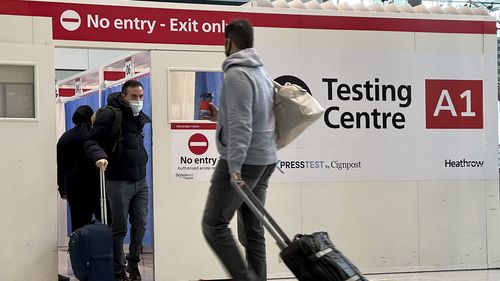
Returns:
point(399, 123)
point(194, 153)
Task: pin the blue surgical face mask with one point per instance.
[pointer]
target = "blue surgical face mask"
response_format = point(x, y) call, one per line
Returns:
point(136, 107)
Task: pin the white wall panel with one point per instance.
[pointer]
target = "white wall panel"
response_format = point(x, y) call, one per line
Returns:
point(374, 223)
point(41, 35)
point(284, 203)
point(181, 252)
point(17, 29)
point(29, 191)
point(454, 43)
point(452, 218)
point(493, 223)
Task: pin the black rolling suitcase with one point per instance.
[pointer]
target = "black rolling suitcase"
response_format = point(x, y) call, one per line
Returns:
point(310, 257)
point(91, 247)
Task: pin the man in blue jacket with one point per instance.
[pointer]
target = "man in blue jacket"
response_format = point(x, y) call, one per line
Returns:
point(246, 144)
point(123, 156)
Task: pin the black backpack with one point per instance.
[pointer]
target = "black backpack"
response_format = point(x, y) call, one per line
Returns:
point(115, 134)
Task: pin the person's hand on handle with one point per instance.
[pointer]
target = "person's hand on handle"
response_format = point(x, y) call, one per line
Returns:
point(236, 177)
point(214, 113)
point(102, 164)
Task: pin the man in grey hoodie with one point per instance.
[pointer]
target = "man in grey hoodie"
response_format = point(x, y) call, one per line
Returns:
point(246, 143)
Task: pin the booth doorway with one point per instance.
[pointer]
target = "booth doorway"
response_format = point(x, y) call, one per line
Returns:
point(109, 70)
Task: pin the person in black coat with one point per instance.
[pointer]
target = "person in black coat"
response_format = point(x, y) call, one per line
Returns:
point(77, 176)
point(123, 157)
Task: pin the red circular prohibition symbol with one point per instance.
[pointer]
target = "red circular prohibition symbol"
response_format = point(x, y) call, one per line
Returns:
point(198, 144)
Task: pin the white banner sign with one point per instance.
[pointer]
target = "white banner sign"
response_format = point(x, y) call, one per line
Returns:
point(389, 116)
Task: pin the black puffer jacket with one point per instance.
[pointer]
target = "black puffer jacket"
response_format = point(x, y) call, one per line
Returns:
point(129, 158)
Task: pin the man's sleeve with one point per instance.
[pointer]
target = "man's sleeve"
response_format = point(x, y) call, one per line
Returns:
point(98, 136)
point(239, 100)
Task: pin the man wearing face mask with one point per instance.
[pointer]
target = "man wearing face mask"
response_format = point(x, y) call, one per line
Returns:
point(246, 144)
point(123, 157)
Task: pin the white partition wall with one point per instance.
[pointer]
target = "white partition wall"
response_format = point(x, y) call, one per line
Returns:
point(177, 205)
point(28, 184)
point(401, 207)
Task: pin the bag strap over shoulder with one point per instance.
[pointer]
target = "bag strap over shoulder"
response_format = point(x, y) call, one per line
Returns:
point(117, 120)
point(116, 129)
point(277, 85)
point(115, 132)
point(277, 88)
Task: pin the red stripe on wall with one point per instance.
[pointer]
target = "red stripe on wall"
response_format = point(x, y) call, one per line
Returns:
point(168, 28)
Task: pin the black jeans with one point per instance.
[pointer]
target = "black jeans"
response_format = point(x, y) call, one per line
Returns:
point(222, 203)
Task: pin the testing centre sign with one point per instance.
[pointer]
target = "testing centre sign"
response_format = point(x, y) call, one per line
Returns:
point(394, 116)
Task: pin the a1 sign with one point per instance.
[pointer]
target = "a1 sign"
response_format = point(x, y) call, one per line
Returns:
point(129, 68)
point(454, 104)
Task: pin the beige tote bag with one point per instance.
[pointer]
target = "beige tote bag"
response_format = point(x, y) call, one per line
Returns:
point(295, 110)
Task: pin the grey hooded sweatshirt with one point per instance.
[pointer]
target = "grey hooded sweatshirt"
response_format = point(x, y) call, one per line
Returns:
point(245, 126)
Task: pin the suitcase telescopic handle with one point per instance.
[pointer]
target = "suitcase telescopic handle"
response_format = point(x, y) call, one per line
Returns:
point(104, 209)
point(258, 209)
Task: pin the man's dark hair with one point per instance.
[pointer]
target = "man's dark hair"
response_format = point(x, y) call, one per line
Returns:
point(131, 84)
point(240, 31)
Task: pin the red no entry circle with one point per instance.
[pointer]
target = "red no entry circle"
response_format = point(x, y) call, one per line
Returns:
point(198, 144)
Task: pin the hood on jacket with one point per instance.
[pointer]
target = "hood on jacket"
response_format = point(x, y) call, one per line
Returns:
point(116, 100)
point(246, 57)
point(82, 115)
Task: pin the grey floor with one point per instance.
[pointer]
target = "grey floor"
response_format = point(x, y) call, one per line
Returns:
point(146, 268)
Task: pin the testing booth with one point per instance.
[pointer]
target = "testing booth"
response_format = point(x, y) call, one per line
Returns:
point(402, 169)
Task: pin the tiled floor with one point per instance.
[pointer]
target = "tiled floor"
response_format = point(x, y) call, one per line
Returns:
point(146, 268)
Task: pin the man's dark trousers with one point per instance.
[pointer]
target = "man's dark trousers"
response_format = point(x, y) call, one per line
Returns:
point(127, 198)
point(222, 203)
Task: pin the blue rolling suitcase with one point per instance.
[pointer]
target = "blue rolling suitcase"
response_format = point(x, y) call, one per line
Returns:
point(310, 257)
point(91, 247)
